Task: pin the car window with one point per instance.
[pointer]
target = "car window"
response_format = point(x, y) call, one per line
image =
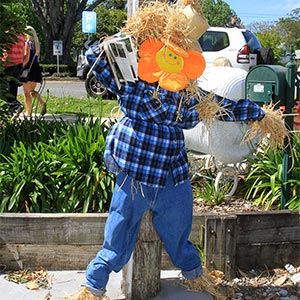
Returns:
point(251, 40)
point(214, 41)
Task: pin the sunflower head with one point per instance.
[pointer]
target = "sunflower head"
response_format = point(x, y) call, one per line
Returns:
point(168, 64)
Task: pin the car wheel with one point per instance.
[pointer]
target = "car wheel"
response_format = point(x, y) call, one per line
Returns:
point(94, 87)
point(266, 56)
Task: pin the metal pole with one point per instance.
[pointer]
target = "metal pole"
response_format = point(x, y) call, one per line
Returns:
point(57, 59)
point(132, 6)
point(287, 159)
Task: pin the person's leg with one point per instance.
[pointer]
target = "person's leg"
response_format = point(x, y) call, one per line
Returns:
point(41, 102)
point(36, 95)
point(121, 231)
point(172, 219)
point(27, 98)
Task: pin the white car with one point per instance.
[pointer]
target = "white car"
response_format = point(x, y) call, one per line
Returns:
point(240, 46)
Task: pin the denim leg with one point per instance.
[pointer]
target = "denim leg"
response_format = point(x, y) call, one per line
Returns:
point(121, 231)
point(172, 219)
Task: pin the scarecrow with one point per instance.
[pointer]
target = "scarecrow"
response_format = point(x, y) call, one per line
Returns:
point(152, 67)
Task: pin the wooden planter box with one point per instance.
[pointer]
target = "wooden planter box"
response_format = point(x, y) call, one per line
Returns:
point(231, 241)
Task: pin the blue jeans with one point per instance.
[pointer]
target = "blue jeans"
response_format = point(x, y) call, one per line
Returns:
point(172, 210)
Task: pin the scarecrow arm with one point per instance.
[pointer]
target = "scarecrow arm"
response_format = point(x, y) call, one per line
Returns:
point(241, 110)
point(101, 69)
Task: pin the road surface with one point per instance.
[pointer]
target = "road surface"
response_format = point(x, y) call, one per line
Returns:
point(62, 88)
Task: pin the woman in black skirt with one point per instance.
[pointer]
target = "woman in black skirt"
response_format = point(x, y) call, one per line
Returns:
point(34, 74)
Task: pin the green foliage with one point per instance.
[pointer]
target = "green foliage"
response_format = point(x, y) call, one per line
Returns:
point(203, 180)
point(270, 39)
point(54, 167)
point(218, 13)
point(8, 17)
point(114, 4)
point(282, 36)
point(288, 30)
point(205, 189)
point(5, 114)
point(264, 182)
point(51, 70)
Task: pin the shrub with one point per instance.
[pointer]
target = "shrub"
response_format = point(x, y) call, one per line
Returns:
point(264, 182)
point(64, 70)
point(54, 167)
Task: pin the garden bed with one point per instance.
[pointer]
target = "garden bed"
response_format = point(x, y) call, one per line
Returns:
point(244, 240)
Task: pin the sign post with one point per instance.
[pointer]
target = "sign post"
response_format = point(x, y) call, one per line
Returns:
point(57, 50)
point(89, 24)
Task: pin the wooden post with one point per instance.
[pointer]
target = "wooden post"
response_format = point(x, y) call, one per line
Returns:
point(220, 244)
point(141, 276)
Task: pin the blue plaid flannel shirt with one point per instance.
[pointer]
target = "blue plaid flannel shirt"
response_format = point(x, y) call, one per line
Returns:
point(148, 142)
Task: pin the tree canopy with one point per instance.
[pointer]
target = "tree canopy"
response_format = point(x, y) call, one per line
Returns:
point(218, 13)
point(288, 30)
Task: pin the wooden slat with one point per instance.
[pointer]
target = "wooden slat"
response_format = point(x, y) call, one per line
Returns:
point(52, 228)
point(268, 227)
point(15, 255)
point(51, 257)
point(70, 241)
point(220, 244)
point(262, 256)
point(198, 230)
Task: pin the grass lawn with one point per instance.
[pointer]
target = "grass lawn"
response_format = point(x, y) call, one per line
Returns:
point(76, 106)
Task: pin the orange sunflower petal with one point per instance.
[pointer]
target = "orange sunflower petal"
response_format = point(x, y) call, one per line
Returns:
point(150, 47)
point(173, 81)
point(194, 65)
point(174, 48)
point(148, 70)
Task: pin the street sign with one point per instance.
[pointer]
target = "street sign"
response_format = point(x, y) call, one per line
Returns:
point(57, 47)
point(89, 21)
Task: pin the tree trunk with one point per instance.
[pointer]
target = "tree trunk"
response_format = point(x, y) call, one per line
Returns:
point(58, 19)
point(141, 276)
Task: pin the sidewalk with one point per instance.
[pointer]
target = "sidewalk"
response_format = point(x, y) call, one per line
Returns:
point(67, 282)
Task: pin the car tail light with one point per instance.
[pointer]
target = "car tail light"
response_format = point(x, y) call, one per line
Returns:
point(243, 56)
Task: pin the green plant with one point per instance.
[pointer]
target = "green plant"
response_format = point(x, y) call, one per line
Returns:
point(51, 69)
point(204, 188)
point(264, 182)
point(29, 131)
point(57, 167)
point(80, 155)
point(5, 114)
point(203, 172)
point(23, 180)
